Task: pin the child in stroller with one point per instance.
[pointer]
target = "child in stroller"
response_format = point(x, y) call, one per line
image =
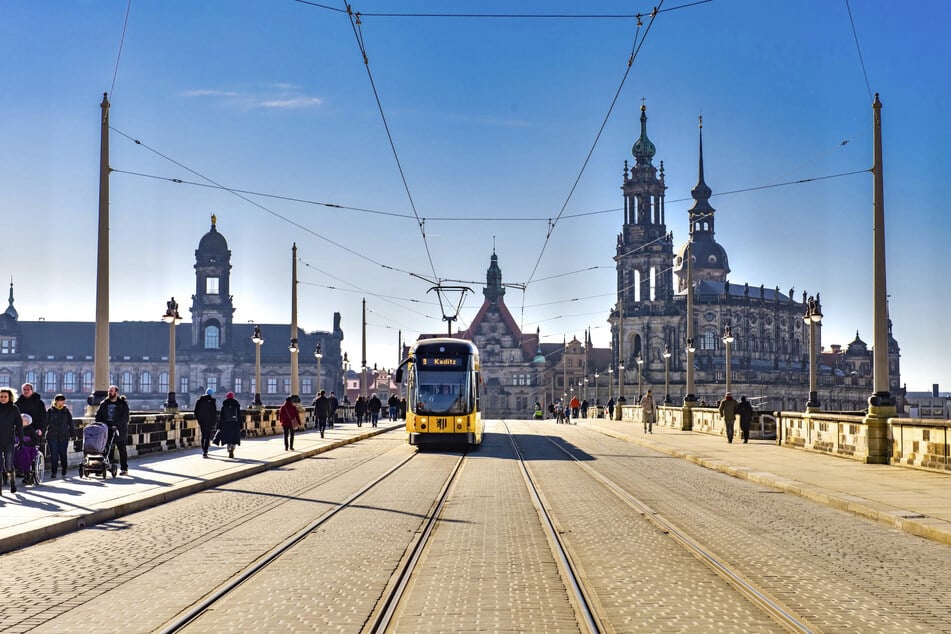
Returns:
point(28, 455)
point(98, 441)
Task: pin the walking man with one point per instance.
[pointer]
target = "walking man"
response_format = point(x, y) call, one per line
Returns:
point(745, 411)
point(648, 411)
point(114, 412)
point(727, 408)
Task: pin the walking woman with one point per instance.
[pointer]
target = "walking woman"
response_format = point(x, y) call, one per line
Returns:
point(11, 431)
point(290, 420)
point(229, 424)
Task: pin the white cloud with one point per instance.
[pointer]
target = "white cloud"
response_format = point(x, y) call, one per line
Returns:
point(274, 96)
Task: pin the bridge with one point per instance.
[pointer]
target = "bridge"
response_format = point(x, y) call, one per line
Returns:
point(589, 527)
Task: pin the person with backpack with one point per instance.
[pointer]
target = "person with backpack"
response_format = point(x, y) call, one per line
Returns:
point(206, 412)
point(229, 424)
point(374, 405)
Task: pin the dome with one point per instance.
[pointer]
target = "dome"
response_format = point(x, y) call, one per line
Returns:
point(707, 254)
point(213, 241)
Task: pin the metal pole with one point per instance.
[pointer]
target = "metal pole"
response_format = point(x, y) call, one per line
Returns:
point(881, 395)
point(101, 362)
point(294, 348)
point(363, 365)
point(690, 397)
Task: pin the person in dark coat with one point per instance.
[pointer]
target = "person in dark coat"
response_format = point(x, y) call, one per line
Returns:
point(360, 410)
point(11, 432)
point(290, 421)
point(745, 411)
point(59, 431)
point(321, 411)
point(206, 411)
point(114, 412)
point(31, 403)
point(374, 405)
point(334, 404)
point(727, 408)
point(229, 424)
point(394, 403)
point(611, 408)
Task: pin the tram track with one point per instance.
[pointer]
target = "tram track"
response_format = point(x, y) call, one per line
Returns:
point(769, 605)
point(387, 607)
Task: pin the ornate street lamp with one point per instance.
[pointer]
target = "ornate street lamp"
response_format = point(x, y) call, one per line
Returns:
point(611, 382)
point(813, 317)
point(257, 339)
point(597, 394)
point(319, 375)
point(346, 370)
point(667, 374)
point(172, 318)
point(728, 340)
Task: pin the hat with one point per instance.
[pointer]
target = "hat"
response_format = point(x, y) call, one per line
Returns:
point(229, 395)
point(209, 391)
point(27, 419)
point(729, 394)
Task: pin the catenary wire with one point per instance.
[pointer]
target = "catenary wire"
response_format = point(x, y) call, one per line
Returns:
point(858, 48)
point(115, 73)
point(520, 16)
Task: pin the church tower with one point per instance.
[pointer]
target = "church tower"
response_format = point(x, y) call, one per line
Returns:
point(212, 309)
point(709, 258)
point(644, 249)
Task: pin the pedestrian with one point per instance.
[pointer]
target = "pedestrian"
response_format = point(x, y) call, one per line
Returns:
point(11, 432)
point(59, 431)
point(611, 408)
point(359, 410)
point(30, 403)
point(334, 404)
point(114, 412)
point(648, 412)
point(229, 424)
point(394, 403)
point(727, 408)
point(321, 411)
point(206, 411)
point(745, 411)
point(290, 420)
point(402, 408)
point(584, 408)
point(575, 405)
point(374, 405)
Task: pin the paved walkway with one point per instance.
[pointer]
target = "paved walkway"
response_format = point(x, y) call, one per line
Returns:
point(59, 506)
point(911, 500)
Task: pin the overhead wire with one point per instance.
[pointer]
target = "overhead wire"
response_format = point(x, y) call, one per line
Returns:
point(858, 48)
point(115, 72)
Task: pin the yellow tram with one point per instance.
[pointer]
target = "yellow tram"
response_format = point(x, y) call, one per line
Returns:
point(443, 389)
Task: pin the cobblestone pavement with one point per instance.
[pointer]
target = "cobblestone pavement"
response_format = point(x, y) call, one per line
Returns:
point(133, 574)
point(839, 571)
point(643, 581)
point(488, 566)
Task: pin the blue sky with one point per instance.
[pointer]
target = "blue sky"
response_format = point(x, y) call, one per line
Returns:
point(491, 119)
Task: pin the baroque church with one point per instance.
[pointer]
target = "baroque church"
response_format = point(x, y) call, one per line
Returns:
point(211, 352)
point(769, 360)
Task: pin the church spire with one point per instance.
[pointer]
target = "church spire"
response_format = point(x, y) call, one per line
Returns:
point(10, 309)
point(643, 149)
point(493, 280)
point(701, 213)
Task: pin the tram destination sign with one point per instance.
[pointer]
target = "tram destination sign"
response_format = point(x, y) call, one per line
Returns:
point(443, 362)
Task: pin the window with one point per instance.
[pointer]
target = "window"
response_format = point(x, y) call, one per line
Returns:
point(31, 377)
point(8, 346)
point(237, 386)
point(211, 383)
point(287, 386)
point(183, 385)
point(212, 337)
point(163, 382)
point(272, 386)
point(87, 381)
point(708, 340)
point(145, 382)
point(49, 382)
point(211, 285)
point(4, 380)
point(69, 382)
point(306, 385)
point(254, 386)
point(126, 384)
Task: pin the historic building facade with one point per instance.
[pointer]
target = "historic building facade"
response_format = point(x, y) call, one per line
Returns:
point(769, 359)
point(210, 352)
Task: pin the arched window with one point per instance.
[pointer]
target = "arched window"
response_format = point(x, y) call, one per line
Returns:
point(126, 383)
point(708, 340)
point(69, 382)
point(163, 382)
point(145, 382)
point(31, 378)
point(212, 337)
point(87, 381)
point(49, 382)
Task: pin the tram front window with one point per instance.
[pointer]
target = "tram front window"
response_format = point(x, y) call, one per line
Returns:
point(441, 392)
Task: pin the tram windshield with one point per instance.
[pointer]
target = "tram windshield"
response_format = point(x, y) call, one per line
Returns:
point(442, 392)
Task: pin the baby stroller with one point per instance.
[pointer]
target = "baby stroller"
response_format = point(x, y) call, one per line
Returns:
point(98, 443)
point(29, 462)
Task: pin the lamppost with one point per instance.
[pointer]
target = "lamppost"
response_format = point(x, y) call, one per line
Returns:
point(319, 375)
point(640, 364)
point(813, 317)
point(257, 339)
point(597, 392)
point(620, 381)
point(295, 386)
point(611, 382)
point(728, 340)
point(172, 318)
point(667, 374)
point(585, 392)
point(346, 370)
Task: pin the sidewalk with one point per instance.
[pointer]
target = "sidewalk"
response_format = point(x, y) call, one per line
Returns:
point(911, 500)
point(59, 506)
